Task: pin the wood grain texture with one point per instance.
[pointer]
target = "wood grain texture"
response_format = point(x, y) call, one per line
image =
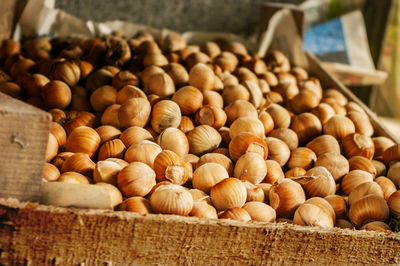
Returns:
point(24, 132)
point(35, 235)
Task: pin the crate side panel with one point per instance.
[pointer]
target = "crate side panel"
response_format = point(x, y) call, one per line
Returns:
point(67, 236)
point(23, 141)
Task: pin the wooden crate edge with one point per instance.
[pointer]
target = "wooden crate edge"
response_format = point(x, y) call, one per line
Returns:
point(97, 236)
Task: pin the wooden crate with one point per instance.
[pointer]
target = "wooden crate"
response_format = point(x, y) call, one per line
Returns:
point(33, 234)
point(23, 137)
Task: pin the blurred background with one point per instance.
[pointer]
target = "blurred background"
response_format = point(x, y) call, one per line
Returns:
point(242, 17)
point(356, 39)
point(235, 16)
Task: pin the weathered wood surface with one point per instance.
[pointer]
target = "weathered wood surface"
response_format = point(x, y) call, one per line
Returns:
point(34, 234)
point(24, 131)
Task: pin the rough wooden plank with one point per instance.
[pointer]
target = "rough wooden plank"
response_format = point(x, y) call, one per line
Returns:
point(24, 131)
point(36, 234)
point(393, 124)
